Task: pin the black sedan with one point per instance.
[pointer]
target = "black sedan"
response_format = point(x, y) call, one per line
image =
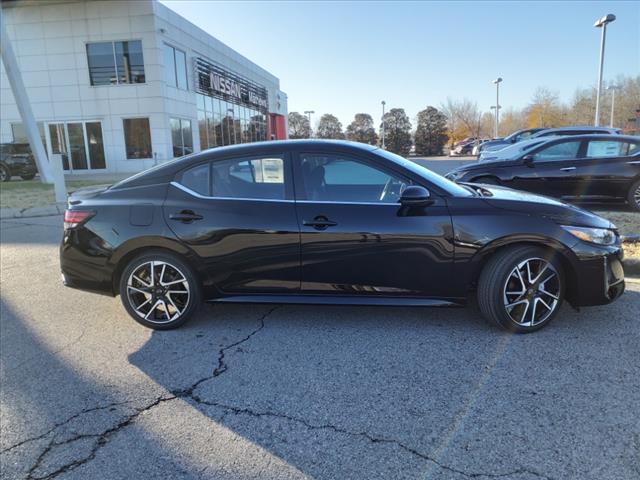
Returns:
point(585, 167)
point(332, 222)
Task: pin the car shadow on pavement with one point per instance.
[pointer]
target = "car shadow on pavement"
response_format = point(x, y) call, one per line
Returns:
point(385, 392)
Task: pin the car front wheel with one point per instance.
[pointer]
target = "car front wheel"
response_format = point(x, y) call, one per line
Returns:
point(159, 290)
point(633, 198)
point(5, 174)
point(521, 289)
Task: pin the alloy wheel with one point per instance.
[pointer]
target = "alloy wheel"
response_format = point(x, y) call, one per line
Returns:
point(636, 196)
point(158, 291)
point(532, 292)
point(3, 174)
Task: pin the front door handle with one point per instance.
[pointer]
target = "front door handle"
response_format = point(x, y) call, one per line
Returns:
point(319, 223)
point(185, 216)
point(567, 169)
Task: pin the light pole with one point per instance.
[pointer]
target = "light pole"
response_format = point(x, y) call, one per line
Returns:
point(384, 147)
point(308, 114)
point(613, 89)
point(497, 82)
point(601, 23)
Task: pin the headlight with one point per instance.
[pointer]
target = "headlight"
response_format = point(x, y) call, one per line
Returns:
point(600, 236)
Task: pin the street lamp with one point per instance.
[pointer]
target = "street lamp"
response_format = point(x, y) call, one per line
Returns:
point(601, 23)
point(497, 82)
point(308, 114)
point(613, 89)
point(382, 132)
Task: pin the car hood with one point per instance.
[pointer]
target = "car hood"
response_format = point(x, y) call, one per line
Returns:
point(530, 203)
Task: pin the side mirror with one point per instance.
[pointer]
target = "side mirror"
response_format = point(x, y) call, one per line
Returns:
point(414, 196)
point(528, 160)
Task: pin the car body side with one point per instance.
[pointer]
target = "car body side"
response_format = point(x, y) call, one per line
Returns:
point(131, 218)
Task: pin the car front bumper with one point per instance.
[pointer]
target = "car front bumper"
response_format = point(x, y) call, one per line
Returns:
point(600, 277)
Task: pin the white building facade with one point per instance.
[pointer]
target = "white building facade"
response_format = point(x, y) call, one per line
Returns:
point(119, 86)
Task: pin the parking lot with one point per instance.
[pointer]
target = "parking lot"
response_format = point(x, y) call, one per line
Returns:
point(305, 391)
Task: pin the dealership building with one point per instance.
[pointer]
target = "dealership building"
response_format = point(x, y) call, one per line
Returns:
point(120, 86)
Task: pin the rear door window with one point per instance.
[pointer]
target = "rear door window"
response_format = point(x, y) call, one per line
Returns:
point(253, 178)
point(197, 179)
point(610, 148)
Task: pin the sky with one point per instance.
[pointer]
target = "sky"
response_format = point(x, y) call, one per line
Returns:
point(345, 57)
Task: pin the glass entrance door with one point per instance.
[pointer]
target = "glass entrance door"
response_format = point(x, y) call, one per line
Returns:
point(79, 143)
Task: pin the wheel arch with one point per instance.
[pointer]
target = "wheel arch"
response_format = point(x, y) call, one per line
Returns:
point(559, 251)
point(129, 250)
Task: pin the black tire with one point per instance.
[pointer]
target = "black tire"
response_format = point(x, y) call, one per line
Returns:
point(5, 174)
point(486, 180)
point(500, 283)
point(138, 294)
point(633, 197)
point(28, 177)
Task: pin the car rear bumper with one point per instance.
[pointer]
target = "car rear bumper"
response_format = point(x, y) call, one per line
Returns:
point(600, 279)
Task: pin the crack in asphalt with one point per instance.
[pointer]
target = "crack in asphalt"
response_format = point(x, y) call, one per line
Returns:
point(102, 439)
point(371, 438)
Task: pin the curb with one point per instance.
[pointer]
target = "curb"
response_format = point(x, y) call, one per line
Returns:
point(44, 211)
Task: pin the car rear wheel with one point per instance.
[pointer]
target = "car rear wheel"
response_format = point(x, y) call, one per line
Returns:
point(159, 290)
point(633, 197)
point(5, 175)
point(521, 289)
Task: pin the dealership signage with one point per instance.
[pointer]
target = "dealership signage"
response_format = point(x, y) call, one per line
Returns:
point(214, 81)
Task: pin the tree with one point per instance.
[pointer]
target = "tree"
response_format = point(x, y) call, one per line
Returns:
point(329, 127)
point(431, 133)
point(362, 129)
point(299, 126)
point(397, 131)
point(464, 119)
point(545, 109)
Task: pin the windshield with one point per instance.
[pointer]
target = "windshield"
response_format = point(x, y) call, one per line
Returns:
point(441, 182)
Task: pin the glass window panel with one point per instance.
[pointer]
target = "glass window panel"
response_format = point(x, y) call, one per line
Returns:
point(211, 131)
point(96, 144)
point(257, 178)
point(129, 62)
point(181, 69)
point(606, 148)
point(559, 151)
point(176, 137)
point(340, 179)
point(202, 130)
point(187, 138)
point(77, 147)
point(102, 69)
point(197, 179)
point(169, 65)
point(59, 142)
point(137, 138)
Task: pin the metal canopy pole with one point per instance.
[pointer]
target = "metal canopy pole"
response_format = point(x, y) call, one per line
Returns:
point(28, 120)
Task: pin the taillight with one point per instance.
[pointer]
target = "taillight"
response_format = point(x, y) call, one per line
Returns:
point(73, 218)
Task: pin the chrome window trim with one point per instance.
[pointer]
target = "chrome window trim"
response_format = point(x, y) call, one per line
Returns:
point(334, 202)
point(306, 202)
point(207, 197)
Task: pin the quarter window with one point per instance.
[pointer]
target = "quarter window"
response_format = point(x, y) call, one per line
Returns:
point(336, 178)
point(197, 179)
point(181, 136)
point(137, 138)
point(175, 65)
point(558, 151)
point(256, 178)
point(112, 63)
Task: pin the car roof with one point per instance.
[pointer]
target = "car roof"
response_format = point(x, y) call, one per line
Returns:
point(578, 128)
point(167, 170)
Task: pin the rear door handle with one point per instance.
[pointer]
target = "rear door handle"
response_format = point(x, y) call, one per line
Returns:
point(319, 223)
point(567, 169)
point(634, 162)
point(185, 216)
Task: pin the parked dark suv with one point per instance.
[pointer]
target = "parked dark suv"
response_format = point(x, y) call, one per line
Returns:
point(16, 160)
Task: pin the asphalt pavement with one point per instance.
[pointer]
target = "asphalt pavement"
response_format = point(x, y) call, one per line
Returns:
point(292, 392)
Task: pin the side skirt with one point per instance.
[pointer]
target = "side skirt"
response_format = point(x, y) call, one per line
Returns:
point(341, 300)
